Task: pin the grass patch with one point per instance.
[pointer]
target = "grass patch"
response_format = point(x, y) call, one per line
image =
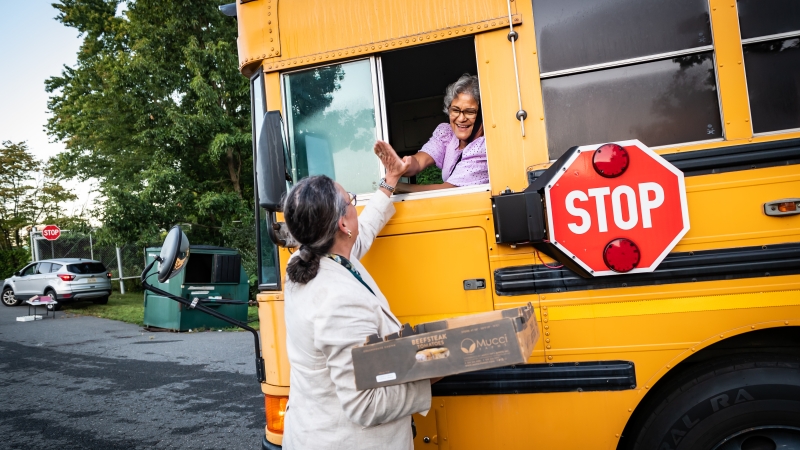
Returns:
point(123, 307)
point(129, 308)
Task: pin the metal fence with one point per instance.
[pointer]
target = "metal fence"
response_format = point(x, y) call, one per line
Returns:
point(124, 263)
point(127, 262)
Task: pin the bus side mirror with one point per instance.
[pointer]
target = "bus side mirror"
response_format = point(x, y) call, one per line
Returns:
point(271, 174)
point(174, 254)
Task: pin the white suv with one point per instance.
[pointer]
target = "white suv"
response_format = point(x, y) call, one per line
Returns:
point(64, 279)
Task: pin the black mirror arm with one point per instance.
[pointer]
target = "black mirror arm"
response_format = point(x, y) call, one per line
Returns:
point(260, 370)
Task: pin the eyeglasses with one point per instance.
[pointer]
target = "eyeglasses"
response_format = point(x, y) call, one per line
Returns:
point(468, 113)
point(353, 199)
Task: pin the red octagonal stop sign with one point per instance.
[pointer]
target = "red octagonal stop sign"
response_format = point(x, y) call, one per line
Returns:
point(632, 204)
point(51, 232)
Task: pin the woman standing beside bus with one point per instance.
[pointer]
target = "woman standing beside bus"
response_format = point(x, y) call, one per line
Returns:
point(332, 304)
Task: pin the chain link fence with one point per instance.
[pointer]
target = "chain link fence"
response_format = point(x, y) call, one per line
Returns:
point(127, 261)
point(124, 263)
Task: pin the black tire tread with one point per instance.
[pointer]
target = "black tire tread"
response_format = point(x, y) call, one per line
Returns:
point(701, 372)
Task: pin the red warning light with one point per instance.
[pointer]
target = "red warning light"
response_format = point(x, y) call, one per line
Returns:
point(621, 255)
point(610, 160)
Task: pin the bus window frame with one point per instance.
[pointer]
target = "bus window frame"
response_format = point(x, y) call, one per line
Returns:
point(258, 76)
point(377, 99)
point(382, 126)
point(757, 40)
point(645, 59)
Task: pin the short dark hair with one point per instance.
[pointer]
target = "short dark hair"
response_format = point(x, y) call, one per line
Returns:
point(312, 210)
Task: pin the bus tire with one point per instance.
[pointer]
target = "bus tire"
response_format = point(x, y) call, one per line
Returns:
point(749, 401)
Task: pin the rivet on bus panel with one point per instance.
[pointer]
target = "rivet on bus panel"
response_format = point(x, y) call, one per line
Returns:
point(668, 366)
point(549, 357)
point(752, 327)
point(630, 409)
point(548, 345)
point(786, 323)
point(647, 387)
point(692, 348)
point(720, 336)
point(617, 435)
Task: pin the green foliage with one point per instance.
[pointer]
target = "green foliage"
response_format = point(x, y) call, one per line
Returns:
point(430, 175)
point(29, 194)
point(12, 260)
point(156, 110)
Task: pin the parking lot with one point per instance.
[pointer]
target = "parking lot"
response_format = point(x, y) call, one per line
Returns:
point(88, 383)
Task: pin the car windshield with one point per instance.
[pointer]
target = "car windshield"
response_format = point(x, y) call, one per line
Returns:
point(87, 267)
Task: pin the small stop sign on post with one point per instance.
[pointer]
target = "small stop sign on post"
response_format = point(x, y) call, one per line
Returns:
point(51, 232)
point(616, 208)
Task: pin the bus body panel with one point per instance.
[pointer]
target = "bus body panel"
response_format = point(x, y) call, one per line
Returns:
point(654, 326)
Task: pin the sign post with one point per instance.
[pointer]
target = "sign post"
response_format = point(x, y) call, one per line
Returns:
point(616, 208)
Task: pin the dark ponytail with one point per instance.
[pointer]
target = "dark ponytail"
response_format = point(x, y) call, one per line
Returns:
point(312, 210)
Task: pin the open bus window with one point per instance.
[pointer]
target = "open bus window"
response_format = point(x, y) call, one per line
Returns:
point(414, 103)
point(332, 124)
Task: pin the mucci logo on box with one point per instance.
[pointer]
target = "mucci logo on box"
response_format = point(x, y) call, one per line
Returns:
point(468, 345)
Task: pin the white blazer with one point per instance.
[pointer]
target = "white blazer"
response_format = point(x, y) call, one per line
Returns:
point(325, 319)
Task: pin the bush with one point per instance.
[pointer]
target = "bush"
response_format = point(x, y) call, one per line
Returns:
point(12, 260)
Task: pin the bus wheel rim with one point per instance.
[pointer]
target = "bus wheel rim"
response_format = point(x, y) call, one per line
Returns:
point(763, 437)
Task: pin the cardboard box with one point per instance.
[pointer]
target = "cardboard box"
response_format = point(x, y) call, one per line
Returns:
point(447, 347)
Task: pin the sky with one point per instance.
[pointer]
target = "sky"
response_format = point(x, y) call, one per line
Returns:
point(34, 47)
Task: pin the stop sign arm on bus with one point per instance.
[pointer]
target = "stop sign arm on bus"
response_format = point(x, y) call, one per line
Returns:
point(643, 194)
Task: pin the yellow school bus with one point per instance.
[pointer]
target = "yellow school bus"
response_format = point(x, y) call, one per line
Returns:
point(702, 353)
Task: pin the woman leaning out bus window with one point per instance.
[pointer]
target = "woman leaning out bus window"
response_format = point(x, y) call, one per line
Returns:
point(332, 305)
point(457, 147)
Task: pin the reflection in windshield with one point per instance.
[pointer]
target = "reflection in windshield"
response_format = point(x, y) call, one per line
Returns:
point(660, 103)
point(332, 124)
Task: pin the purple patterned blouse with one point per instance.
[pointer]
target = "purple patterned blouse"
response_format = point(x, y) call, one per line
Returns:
point(443, 148)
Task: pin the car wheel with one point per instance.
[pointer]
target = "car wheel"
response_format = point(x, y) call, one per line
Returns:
point(52, 306)
point(101, 300)
point(743, 402)
point(9, 299)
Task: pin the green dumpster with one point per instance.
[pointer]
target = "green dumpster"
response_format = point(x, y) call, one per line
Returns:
point(213, 275)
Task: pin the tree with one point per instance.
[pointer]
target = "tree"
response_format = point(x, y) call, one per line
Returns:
point(29, 195)
point(157, 112)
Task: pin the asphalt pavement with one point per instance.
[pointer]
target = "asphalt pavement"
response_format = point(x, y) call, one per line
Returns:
point(88, 383)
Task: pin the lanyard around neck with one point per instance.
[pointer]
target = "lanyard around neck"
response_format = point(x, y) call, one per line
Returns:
point(349, 266)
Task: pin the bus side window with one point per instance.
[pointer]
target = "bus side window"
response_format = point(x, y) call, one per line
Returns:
point(332, 124)
point(414, 103)
point(618, 87)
